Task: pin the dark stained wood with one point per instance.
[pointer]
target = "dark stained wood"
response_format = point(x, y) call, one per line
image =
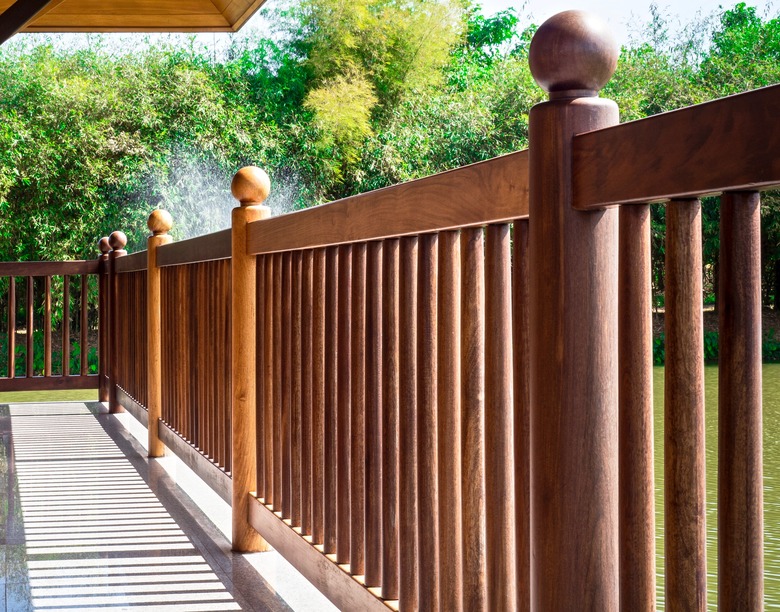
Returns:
point(261, 382)
point(11, 327)
point(279, 390)
point(19, 14)
point(427, 431)
point(390, 415)
point(30, 326)
point(473, 419)
point(84, 309)
point(373, 494)
point(408, 507)
point(331, 398)
point(203, 248)
point(296, 390)
point(438, 202)
point(574, 386)
point(499, 416)
point(269, 382)
point(702, 149)
point(66, 325)
point(344, 406)
point(47, 268)
point(740, 473)
point(522, 412)
point(635, 360)
point(135, 262)
point(357, 550)
point(48, 383)
point(685, 543)
point(287, 376)
point(449, 423)
point(318, 398)
point(307, 309)
point(47, 328)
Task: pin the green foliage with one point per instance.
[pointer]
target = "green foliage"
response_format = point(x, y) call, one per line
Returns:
point(20, 358)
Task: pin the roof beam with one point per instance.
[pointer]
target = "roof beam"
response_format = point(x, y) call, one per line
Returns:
point(18, 15)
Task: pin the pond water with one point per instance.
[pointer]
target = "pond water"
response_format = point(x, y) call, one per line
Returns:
point(771, 405)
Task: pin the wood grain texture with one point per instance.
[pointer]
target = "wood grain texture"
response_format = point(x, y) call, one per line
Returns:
point(269, 381)
point(29, 326)
point(685, 543)
point(331, 396)
point(522, 412)
point(635, 358)
point(203, 248)
point(296, 389)
point(408, 582)
point(47, 268)
point(65, 324)
point(116, 296)
point(11, 327)
point(307, 310)
point(344, 405)
point(574, 386)
point(702, 149)
point(47, 328)
point(740, 473)
point(83, 312)
point(287, 375)
point(103, 331)
point(473, 418)
point(134, 262)
point(318, 397)
point(279, 390)
point(261, 383)
point(427, 430)
point(489, 191)
point(449, 423)
point(48, 383)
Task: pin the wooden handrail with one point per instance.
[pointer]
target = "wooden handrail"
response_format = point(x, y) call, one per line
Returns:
point(210, 247)
point(136, 262)
point(731, 144)
point(47, 268)
point(491, 191)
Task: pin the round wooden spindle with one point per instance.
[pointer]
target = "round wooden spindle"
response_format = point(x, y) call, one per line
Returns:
point(103, 320)
point(117, 241)
point(250, 187)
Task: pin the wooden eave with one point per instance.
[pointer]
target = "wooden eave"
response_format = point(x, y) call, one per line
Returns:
point(140, 15)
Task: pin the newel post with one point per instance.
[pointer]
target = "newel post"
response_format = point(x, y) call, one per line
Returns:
point(250, 187)
point(160, 223)
point(117, 241)
point(104, 331)
point(573, 329)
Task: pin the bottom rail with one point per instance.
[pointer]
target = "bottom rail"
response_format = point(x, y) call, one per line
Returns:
point(49, 383)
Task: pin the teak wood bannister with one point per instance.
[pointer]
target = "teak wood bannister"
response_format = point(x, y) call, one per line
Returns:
point(438, 396)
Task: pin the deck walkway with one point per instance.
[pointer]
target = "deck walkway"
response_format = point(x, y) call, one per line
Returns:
point(87, 522)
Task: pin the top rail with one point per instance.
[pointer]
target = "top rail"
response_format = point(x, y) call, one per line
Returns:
point(135, 262)
point(731, 144)
point(491, 191)
point(210, 247)
point(48, 268)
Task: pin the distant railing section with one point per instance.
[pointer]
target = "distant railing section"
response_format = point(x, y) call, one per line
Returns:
point(130, 333)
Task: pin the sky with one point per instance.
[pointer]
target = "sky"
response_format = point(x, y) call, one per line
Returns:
point(624, 16)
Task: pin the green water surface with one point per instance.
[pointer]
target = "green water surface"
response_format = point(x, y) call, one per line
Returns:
point(771, 424)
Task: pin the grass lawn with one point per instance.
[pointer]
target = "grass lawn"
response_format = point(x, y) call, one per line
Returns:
point(69, 395)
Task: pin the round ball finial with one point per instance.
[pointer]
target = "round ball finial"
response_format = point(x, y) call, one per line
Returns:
point(251, 185)
point(573, 54)
point(117, 240)
point(104, 246)
point(160, 222)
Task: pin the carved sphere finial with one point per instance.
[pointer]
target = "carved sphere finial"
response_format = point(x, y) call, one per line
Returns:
point(573, 54)
point(250, 185)
point(104, 246)
point(117, 240)
point(160, 222)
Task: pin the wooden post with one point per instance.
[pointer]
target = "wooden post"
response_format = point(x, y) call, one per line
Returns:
point(160, 223)
point(103, 319)
point(573, 335)
point(250, 187)
point(117, 241)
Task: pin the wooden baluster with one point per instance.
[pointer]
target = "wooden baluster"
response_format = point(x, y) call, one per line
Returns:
point(286, 421)
point(344, 399)
point(390, 408)
point(499, 411)
point(297, 385)
point(685, 540)
point(260, 376)
point(427, 435)
point(268, 380)
point(47, 327)
point(11, 327)
point(30, 326)
point(104, 320)
point(740, 473)
point(408, 554)
point(635, 359)
point(449, 424)
point(250, 187)
point(307, 310)
point(522, 416)
point(84, 304)
point(357, 550)
point(318, 397)
point(159, 223)
point(279, 390)
point(331, 399)
point(573, 286)
point(374, 414)
point(117, 240)
point(473, 415)
point(66, 326)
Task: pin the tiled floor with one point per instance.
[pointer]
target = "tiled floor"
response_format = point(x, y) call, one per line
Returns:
point(88, 523)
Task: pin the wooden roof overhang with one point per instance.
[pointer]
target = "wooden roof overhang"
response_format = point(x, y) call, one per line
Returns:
point(124, 15)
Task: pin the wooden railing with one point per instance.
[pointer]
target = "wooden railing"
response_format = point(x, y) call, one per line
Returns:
point(438, 396)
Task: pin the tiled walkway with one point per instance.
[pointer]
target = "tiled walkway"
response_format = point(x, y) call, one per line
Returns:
point(88, 523)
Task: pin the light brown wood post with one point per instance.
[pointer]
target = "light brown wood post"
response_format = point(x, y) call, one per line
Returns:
point(573, 330)
point(103, 319)
point(250, 187)
point(160, 223)
point(117, 240)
